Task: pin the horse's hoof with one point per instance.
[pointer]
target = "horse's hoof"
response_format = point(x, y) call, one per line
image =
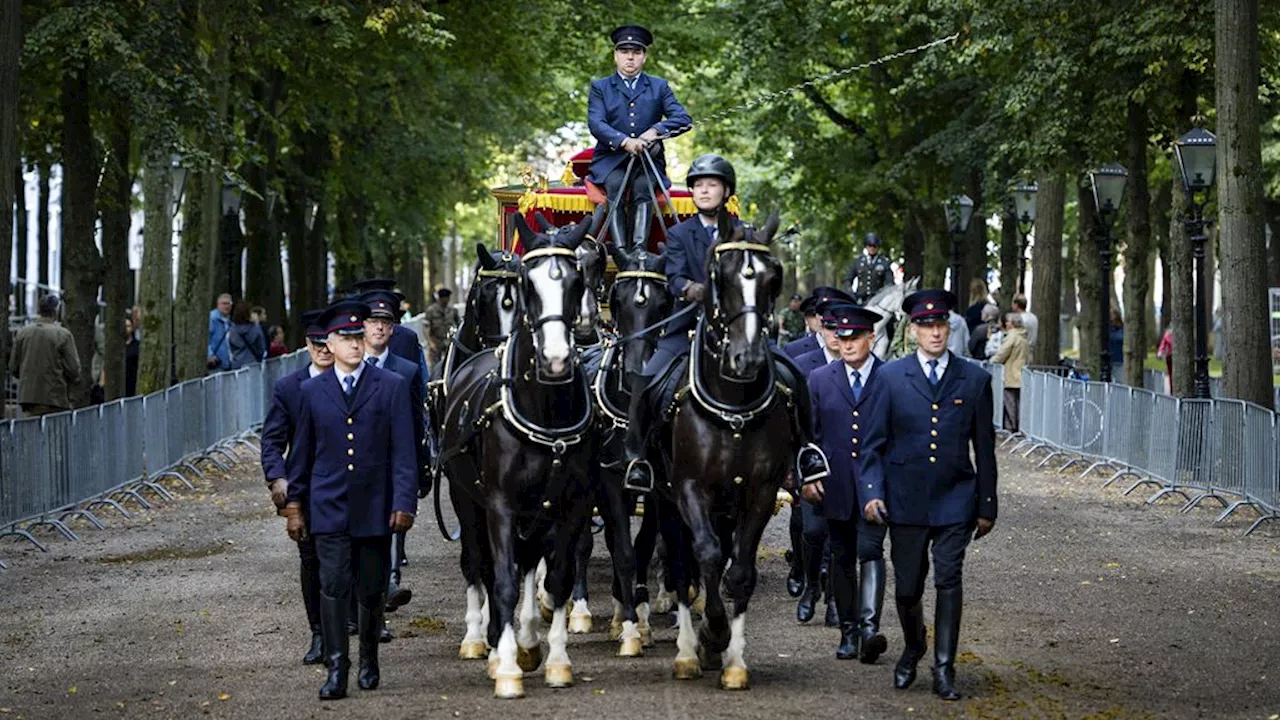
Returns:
point(615, 630)
point(473, 650)
point(508, 687)
point(646, 636)
point(579, 624)
point(493, 668)
point(558, 675)
point(687, 669)
point(547, 613)
point(529, 658)
point(734, 678)
point(663, 605)
point(631, 647)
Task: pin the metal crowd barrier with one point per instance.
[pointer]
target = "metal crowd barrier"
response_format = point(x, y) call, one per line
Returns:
point(78, 463)
point(1225, 451)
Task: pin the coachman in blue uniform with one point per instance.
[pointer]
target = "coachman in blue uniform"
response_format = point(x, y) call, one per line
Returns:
point(354, 483)
point(712, 181)
point(383, 310)
point(628, 112)
point(276, 441)
point(925, 413)
point(840, 392)
point(404, 342)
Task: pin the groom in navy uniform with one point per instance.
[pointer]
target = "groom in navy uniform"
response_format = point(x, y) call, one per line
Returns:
point(840, 391)
point(923, 415)
point(627, 113)
point(354, 484)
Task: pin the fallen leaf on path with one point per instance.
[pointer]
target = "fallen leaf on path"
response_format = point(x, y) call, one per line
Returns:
point(71, 690)
point(224, 697)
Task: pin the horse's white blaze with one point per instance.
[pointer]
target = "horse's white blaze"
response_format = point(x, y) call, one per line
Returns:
point(474, 616)
point(750, 280)
point(558, 639)
point(734, 654)
point(507, 665)
point(529, 616)
point(687, 639)
point(555, 344)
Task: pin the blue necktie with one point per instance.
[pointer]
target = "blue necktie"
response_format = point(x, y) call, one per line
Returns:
point(857, 385)
point(933, 372)
point(350, 382)
point(371, 361)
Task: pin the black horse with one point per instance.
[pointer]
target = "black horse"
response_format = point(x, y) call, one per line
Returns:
point(518, 447)
point(730, 441)
point(492, 309)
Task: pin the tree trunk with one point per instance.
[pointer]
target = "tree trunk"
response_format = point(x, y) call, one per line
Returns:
point(1089, 279)
point(81, 262)
point(20, 251)
point(295, 231)
point(434, 262)
point(264, 277)
point(973, 254)
point(1010, 250)
point(1046, 291)
point(1137, 250)
point(115, 204)
point(1247, 370)
point(191, 311)
point(157, 268)
point(410, 275)
point(42, 228)
point(318, 251)
point(10, 186)
point(1182, 310)
point(912, 244)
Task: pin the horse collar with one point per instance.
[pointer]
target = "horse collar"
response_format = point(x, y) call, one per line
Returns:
point(557, 439)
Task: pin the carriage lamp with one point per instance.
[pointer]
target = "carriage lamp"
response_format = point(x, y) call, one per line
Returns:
point(1108, 184)
point(177, 180)
point(1197, 156)
point(959, 211)
point(1024, 208)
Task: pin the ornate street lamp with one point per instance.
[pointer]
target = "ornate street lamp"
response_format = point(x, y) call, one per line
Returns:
point(1024, 207)
point(1197, 155)
point(1108, 184)
point(959, 211)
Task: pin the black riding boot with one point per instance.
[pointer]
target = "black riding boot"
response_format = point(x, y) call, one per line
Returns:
point(400, 553)
point(397, 595)
point(795, 578)
point(812, 593)
point(638, 473)
point(946, 637)
point(642, 220)
point(618, 223)
point(832, 619)
point(333, 613)
point(848, 648)
point(811, 462)
point(871, 599)
point(913, 632)
point(370, 627)
point(310, 582)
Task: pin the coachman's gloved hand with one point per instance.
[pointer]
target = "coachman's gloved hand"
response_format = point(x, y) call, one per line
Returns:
point(295, 522)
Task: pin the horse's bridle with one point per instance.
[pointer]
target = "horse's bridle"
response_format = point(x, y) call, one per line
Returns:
point(720, 324)
point(534, 325)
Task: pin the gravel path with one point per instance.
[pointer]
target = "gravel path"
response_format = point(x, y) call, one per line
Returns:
point(1082, 603)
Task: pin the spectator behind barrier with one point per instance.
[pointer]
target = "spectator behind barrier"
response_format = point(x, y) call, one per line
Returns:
point(45, 362)
point(245, 338)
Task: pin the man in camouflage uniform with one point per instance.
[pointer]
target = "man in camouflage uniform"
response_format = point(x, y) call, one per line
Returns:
point(870, 271)
point(791, 321)
point(439, 317)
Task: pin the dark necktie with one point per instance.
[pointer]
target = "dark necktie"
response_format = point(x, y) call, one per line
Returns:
point(350, 382)
point(371, 361)
point(857, 385)
point(933, 372)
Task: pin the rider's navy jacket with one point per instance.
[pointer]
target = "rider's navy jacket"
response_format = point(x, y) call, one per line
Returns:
point(801, 346)
point(281, 422)
point(810, 361)
point(616, 112)
point(838, 423)
point(412, 375)
point(404, 343)
point(356, 461)
point(916, 441)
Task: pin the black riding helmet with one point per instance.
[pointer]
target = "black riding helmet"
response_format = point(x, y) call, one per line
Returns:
point(712, 165)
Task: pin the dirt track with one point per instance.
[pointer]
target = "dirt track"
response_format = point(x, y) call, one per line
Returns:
point(1081, 604)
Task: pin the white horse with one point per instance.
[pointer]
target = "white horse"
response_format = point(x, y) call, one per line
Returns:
point(888, 302)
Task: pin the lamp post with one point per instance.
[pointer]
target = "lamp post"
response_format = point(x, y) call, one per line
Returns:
point(959, 211)
point(1024, 207)
point(231, 198)
point(177, 183)
point(1108, 192)
point(1197, 153)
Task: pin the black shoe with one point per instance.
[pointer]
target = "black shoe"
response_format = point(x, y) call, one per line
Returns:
point(808, 602)
point(848, 648)
point(795, 577)
point(384, 635)
point(913, 632)
point(946, 625)
point(794, 587)
point(371, 626)
point(832, 620)
point(871, 598)
point(333, 612)
point(315, 655)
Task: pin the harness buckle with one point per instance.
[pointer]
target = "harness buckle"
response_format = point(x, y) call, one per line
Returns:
point(736, 422)
point(558, 446)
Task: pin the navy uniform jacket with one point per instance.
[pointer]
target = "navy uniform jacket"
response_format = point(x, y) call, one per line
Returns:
point(615, 113)
point(412, 375)
point(806, 344)
point(281, 422)
point(356, 461)
point(810, 361)
point(838, 422)
point(916, 444)
point(404, 343)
